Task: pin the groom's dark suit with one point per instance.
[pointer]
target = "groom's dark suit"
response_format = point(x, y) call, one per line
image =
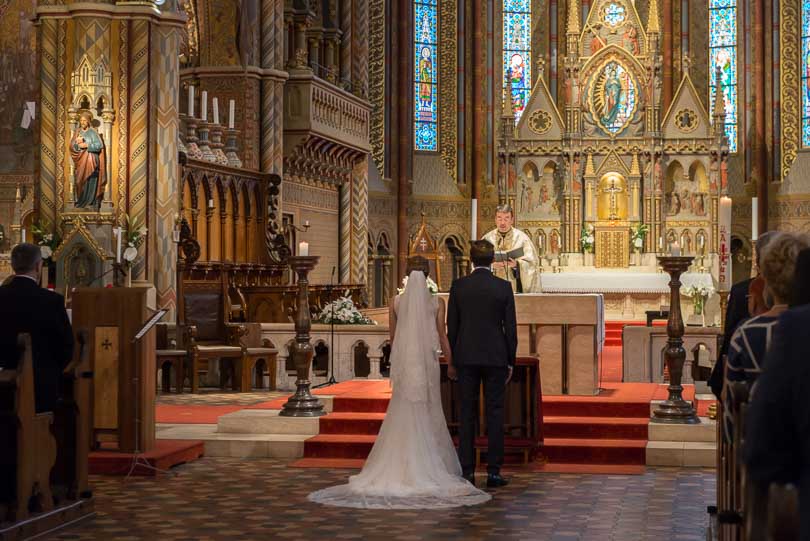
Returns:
point(482, 330)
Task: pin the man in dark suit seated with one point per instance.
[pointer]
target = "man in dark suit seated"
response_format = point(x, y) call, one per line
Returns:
point(777, 442)
point(25, 307)
point(736, 312)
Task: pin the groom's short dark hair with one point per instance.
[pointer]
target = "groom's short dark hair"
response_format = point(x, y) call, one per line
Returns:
point(482, 253)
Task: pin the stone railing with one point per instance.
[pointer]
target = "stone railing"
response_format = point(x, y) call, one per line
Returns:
point(347, 358)
point(314, 107)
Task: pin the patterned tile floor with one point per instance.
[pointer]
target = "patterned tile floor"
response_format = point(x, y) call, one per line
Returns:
point(216, 397)
point(239, 499)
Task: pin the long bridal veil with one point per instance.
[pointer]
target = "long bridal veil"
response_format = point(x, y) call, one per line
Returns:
point(413, 464)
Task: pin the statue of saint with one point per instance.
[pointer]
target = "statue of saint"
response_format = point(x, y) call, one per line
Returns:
point(613, 97)
point(88, 153)
point(521, 272)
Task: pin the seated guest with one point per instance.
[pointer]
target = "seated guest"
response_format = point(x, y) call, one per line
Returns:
point(801, 282)
point(737, 311)
point(750, 342)
point(25, 307)
point(777, 442)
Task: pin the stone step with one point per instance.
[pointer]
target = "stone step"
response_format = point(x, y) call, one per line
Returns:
point(256, 421)
point(696, 454)
point(287, 446)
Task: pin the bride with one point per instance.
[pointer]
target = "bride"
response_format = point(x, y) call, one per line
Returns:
point(413, 463)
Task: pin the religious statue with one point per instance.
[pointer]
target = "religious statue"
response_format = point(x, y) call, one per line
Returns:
point(520, 271)
point(88, 153)
point(674, 204)
point(613, 96)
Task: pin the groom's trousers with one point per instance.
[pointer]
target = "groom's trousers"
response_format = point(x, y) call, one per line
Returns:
point(469, 381)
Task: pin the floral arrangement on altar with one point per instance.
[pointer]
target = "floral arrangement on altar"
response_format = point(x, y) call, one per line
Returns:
point(431, 285)
point(134, 235)
point(699, 295)
point(637, 235)
point(586, 239)
point(47, 239)
point(343, 312)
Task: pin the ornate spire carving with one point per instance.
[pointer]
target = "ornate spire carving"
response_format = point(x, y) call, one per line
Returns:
point(573, 17)
point(653, 27)
point(719, 109)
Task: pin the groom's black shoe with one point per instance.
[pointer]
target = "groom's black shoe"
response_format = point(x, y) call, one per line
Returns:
point(470, 477)
point(494, 480)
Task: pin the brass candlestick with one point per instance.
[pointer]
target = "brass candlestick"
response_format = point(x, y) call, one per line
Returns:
point(675, 410)
point(302, 403)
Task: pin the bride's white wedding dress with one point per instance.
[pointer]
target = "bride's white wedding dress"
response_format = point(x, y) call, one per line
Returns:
point(413, 463)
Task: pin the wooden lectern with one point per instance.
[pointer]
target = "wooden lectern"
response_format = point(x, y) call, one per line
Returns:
point(123, 394)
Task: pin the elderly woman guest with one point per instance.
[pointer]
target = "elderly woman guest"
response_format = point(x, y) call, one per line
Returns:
point(751, 339)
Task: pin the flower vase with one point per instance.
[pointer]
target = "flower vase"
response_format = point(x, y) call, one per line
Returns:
point(636, 258)
point(588, 259)
point(128, 278)
point(697, 317)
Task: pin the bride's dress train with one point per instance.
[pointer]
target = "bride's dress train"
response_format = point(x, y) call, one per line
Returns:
point(413, 463)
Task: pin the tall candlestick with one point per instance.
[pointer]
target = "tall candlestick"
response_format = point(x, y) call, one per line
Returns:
point(191, 101)
point(216, 111)
point(754, 218)
point(204, 106)
point(724, 252)
point(231, 111)
point(474, 224)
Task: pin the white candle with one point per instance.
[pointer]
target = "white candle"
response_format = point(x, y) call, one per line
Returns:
point(306, 223)
point(210, 203)
point(216, 111)
point(303, 248)
point(191, 101)
point(23, 235)
point(660, 245)
point(754, 218)
point(117, 232)
point(676, 249)
point(474, 224)
point(231, 111)
point(724, 249)
point(204, 106)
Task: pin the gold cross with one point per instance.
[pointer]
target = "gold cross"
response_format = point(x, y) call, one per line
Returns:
point(613, 190)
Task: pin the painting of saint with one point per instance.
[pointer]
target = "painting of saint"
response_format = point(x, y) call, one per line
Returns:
point(613, 97)
point(630, 40)
point(674, 204)
point(87, 151)
point(596, 44)
point(516, 73)
point(425, 78)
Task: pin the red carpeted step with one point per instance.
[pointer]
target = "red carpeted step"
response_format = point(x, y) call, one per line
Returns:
point(595, 451)
point(359, 404)
point(595, 428)
point(351, 423)
point(553, 407)
point(339, 446)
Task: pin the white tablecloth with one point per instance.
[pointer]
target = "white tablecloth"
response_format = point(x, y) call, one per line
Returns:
point(618, 282)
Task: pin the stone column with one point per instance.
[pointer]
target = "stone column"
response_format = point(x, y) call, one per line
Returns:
point(760, 172)
point(667, 53)
point(387, 292)
point(346, 41)
point(374, 360)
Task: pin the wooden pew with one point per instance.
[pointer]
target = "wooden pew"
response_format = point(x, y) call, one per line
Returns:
point(43, 459)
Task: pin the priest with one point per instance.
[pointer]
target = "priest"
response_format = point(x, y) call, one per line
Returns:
point(520, 271)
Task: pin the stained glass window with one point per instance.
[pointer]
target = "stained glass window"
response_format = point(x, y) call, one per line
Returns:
point(805, 75)
point(425, 125)
point(723, 53)
point(517, 51)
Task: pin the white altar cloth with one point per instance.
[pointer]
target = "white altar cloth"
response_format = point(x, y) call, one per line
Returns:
point(618, 282)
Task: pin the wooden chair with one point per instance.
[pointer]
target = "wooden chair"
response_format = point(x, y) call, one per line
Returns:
point(168, 354)
point(204, 332)
point(254, 349)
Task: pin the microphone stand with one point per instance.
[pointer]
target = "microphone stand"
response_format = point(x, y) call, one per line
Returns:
point(331, 380)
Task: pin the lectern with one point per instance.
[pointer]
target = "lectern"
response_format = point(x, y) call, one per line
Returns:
point(123, 394)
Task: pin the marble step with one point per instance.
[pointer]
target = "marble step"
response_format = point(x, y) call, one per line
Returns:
point(286, 446)
point(695, 454)
point(258, 421)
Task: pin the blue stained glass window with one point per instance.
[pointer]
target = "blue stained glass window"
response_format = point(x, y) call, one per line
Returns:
point(805, 74)
point(425, 95)
point(723, 53)
point(517, 52)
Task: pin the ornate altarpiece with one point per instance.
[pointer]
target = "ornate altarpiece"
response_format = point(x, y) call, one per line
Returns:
point(610, 157)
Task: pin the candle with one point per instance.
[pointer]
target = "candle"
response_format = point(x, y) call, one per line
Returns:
point(23, 235)
point(660, 245)
point(303, 248)
point(474, 224)
point(754, 218)
point(231, 110)
point(216, 111)
point(676, 249)
point(117, 232)
point(306, 223)
point(210, 203)
point(191, 101)
point(724, 239)
point(204, 106)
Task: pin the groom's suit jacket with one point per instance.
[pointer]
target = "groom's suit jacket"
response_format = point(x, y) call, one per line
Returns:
point(481, 322)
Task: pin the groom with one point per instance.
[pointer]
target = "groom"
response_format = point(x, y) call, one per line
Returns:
point(482, 330)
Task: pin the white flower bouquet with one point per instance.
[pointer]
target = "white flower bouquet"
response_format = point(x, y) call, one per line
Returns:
point(587, 239)
point(431, 285)
point(637, 235)
point(49, 239)
point(699, 295)
point(343, 312)
point(134, 237)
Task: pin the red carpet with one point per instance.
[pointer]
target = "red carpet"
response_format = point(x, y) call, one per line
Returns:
point(165, 455)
